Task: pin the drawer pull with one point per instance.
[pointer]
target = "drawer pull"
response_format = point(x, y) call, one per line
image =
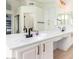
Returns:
point(43, 47)
point(38, 50)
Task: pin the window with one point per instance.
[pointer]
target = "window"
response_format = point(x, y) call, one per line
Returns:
point(8, 24)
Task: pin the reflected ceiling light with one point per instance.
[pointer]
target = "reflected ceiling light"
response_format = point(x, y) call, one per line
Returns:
point(64, 5)
point(62, 2)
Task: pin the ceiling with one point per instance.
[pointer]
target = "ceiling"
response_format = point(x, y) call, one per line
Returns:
point(8, 2)
point(42, 1)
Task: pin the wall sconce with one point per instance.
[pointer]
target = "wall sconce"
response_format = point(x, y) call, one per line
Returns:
point(62, 2)
point(65, 5)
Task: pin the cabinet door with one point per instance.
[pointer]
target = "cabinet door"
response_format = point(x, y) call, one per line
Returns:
point(28, 54)
point(47, 50)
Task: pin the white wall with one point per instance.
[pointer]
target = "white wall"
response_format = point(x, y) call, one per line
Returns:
point(8, 12)
point(50, 16)
point(40, 18)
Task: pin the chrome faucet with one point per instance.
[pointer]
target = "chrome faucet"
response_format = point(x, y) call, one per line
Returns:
point(61, 28)
point(25, 29)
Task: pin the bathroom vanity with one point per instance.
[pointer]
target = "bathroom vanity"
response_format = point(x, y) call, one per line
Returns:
point(48, 17)
point(39, 46)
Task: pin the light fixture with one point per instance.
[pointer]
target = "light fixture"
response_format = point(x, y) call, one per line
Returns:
point(64, 5)
point(62, 2)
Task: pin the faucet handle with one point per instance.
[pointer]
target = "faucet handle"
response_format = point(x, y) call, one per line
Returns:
point(31, 29)
point(63, 28)
point(25, 29)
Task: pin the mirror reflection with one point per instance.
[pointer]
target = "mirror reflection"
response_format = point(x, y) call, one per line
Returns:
point(40, 17)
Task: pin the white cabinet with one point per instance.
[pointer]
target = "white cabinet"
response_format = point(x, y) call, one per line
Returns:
point(26, 53)
point(44, 50)
point(30, 54)
point(47, 50)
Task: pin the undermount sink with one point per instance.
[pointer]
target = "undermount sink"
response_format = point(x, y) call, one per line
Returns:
point(33, 34)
